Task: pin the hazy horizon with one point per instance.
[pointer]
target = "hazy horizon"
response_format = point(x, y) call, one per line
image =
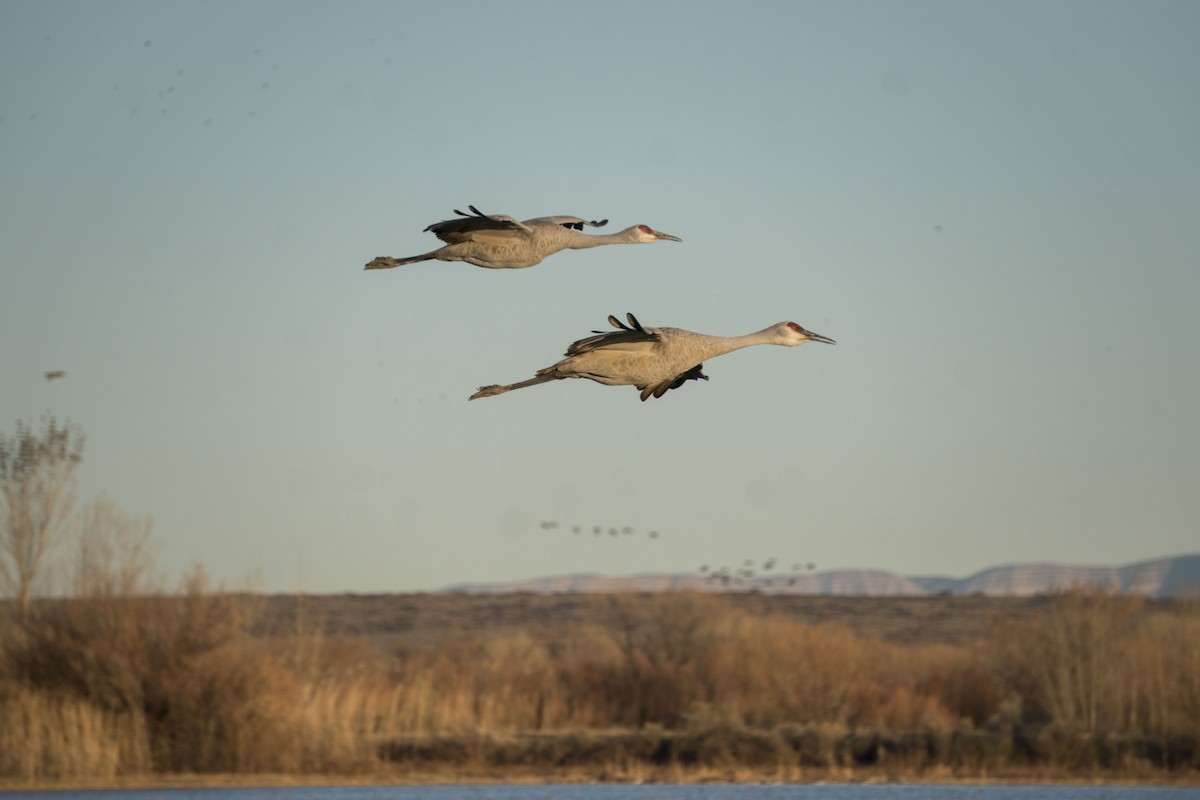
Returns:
point(1180, 580)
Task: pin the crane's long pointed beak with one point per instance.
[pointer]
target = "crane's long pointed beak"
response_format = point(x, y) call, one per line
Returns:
point(667, 236)
point(816, 337)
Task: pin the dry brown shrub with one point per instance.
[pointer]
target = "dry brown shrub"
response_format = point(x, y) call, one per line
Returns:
point(964, 687)
point(1098, 663)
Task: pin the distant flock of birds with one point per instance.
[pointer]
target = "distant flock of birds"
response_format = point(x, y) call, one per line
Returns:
point(746, 572)
point(596, 530)
point(735, 576)
point(654, 360)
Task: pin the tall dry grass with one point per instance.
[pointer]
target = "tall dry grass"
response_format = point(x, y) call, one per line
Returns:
point(46, 735)
point(114, 684)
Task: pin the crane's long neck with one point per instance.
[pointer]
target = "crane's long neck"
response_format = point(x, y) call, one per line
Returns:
point(581, 241)
point(713, 346)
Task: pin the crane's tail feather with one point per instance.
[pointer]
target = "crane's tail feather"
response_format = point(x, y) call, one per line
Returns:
point(387, 262)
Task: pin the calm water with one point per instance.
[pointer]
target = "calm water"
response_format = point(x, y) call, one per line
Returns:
point(651, 792)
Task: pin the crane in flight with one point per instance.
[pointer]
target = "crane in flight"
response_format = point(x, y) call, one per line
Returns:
point(655, 360)
point(497, 241)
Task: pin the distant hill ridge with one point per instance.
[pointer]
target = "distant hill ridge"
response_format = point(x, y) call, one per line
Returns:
point(1174, 576)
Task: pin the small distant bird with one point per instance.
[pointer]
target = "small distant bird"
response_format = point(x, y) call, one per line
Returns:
point(55, 374)
point(498, 241)
point(655, 360)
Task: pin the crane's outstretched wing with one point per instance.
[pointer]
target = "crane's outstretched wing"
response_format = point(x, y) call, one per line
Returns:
point(477, 225)
point(628, 337)
point(634, 337)
point(662, 387)
point(576, 223)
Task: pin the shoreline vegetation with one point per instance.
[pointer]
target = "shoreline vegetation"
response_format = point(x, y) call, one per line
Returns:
point(204, 687)
point(627, 770)
point(675, 775)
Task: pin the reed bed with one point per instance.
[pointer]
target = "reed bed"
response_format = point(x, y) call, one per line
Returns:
point(111, 686)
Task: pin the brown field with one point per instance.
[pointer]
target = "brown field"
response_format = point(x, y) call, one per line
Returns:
point(202, 686)
point(430, 619)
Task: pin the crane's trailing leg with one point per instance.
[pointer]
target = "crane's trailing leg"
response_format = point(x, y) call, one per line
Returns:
point(387, 262)
point(492, 391)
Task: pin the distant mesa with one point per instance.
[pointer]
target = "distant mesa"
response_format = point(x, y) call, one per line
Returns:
point(1174, 576)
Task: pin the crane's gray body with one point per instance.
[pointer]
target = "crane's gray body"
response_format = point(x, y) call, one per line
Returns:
point(498, 241)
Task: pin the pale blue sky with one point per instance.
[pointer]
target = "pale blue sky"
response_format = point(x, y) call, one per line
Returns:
point(991, 206)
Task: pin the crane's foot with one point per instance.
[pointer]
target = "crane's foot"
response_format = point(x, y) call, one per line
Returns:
point(382, 262)
point(489, 391)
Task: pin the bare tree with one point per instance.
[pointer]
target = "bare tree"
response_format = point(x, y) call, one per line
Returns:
point(116, 555)
point(37, 481)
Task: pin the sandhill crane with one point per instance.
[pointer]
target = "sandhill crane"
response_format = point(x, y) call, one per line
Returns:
point(497, 241)
point(655, 360)
point(55, 374)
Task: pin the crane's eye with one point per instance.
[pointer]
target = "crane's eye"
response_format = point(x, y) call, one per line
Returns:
point(644, 229)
